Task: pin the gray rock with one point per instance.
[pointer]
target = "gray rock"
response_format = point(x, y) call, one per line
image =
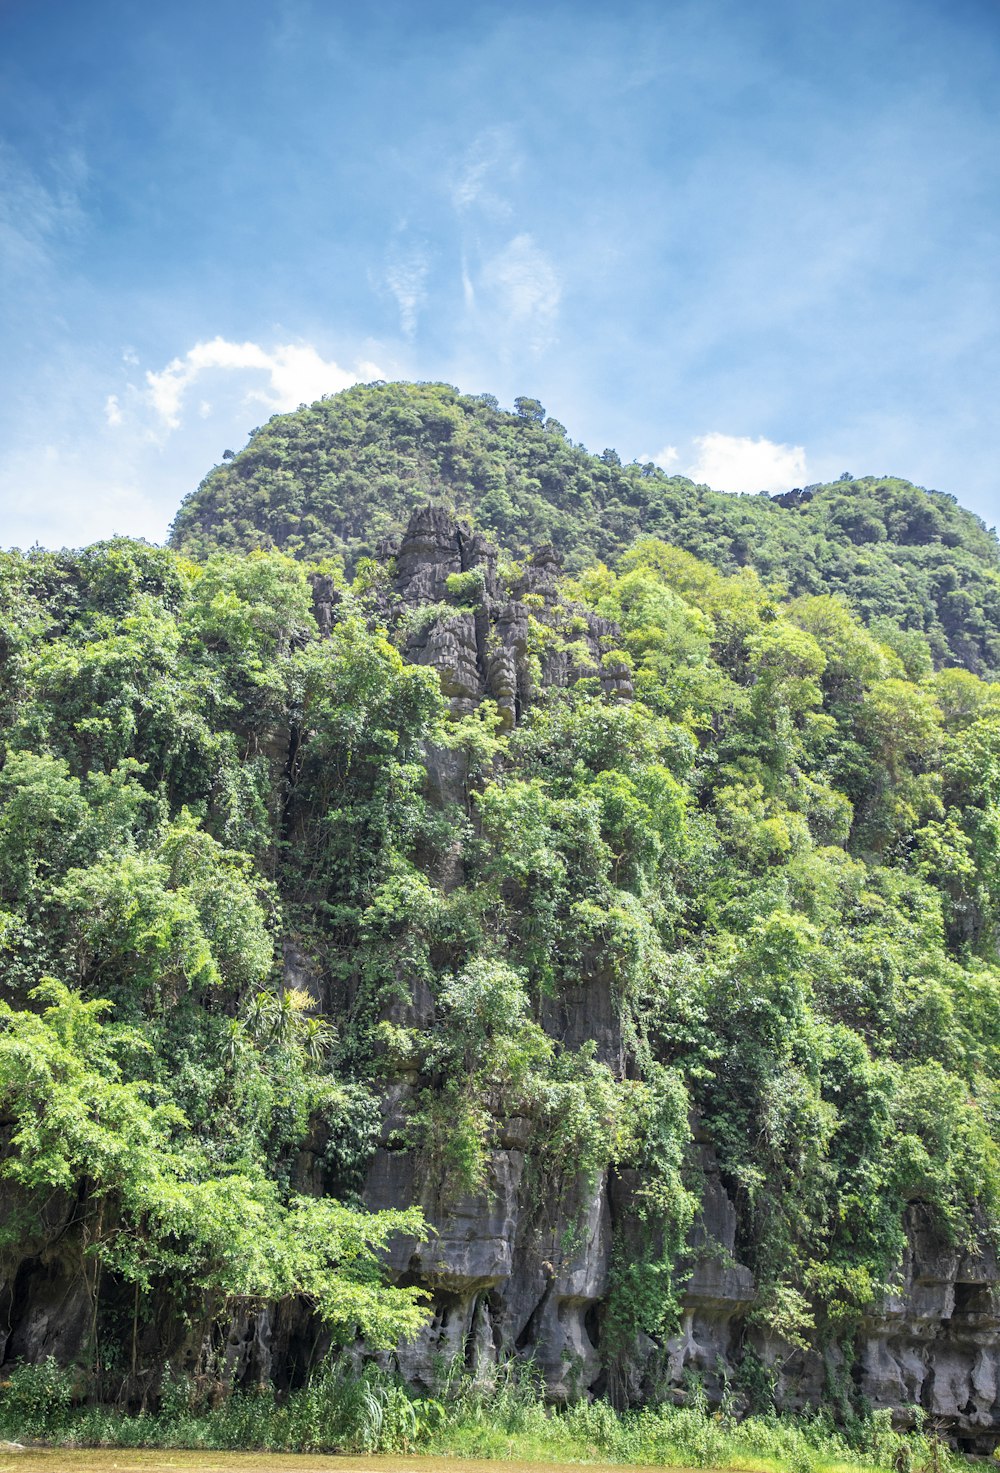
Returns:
point(485, 652)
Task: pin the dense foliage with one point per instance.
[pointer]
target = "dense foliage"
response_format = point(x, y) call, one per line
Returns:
point(777, 860)
point(343, 474)
point(155, 1079)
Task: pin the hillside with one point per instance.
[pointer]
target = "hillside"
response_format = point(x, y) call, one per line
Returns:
point(342, 475)
point(584, 979)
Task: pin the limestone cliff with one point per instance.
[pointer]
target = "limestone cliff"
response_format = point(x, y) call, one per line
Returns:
point(510, 1276)
point(523, 1267)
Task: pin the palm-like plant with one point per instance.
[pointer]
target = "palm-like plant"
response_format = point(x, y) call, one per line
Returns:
point(277, 1019)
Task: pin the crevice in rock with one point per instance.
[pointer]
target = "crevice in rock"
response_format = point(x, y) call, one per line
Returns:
point(528, 1337)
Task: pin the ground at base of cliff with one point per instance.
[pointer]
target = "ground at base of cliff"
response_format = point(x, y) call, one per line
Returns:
point(396, 1433)
point(23, 1459)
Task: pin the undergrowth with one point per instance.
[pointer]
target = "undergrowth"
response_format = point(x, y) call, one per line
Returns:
point(506, 1419)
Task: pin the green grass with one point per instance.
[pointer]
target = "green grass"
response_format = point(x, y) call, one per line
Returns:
point(507, 1420)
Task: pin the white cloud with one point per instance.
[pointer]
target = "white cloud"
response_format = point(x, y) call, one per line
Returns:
point(294, 374)
point(94, 455)
point(665, 458)
point(526, 289)
point(739, 463)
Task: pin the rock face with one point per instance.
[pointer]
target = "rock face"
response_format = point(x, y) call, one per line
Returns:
point(483, 647)
point(506, 1277)
point(45, 1303)
point(507, 1281)
point(719, 1292)
point(936, 1341)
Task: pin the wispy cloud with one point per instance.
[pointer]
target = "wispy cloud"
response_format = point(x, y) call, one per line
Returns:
point(525, 289)
point(511, 289)
point(35, 214)
point(406, 274)
point(490, 163)
point(468, 288)
point(739, 463)
point(281, 377)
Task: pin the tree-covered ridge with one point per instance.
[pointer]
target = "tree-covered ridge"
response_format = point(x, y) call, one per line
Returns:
point(341, 475)
point(775, 864)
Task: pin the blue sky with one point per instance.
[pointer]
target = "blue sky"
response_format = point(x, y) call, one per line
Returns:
point(756, 241)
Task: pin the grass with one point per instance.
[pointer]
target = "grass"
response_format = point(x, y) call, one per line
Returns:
point(506, 1420)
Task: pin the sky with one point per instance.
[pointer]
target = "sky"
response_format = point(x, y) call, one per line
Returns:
point(758, 243)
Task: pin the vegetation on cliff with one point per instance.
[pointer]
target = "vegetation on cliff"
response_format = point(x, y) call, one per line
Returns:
point(775, 852)
point(341, 475)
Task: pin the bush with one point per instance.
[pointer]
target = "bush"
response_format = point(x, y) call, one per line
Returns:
point(35, 1400)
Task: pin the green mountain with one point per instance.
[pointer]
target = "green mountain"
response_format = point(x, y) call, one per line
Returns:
point(341, 476)
point(584, 976)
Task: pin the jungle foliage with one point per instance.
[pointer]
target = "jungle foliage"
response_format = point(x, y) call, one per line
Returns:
point(341, 475)
point(778, 860)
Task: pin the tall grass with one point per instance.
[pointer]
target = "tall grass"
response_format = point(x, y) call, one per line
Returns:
point(372, 1412)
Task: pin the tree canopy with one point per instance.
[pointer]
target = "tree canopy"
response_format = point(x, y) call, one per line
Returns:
point(341, 475)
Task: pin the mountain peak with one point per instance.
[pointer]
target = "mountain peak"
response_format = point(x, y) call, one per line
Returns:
point(342, 476)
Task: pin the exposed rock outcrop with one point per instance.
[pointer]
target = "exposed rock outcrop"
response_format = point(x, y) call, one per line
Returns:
point(482, 648)
point(935, 1342)
point(504, 1281)
point(507, 1277)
